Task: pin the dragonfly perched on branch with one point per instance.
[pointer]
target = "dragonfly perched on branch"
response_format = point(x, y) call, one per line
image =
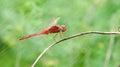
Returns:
point(53, 28)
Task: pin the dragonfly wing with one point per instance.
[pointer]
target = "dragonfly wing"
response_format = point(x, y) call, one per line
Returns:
point(54, 21)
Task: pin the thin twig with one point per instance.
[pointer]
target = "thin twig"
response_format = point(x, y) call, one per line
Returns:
point(70, 37)
point(109, 51)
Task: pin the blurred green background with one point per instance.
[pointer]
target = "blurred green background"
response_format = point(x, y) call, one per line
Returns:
point(22, 17)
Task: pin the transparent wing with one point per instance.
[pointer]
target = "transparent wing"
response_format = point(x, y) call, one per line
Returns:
point(53, 21)
point(50, 23)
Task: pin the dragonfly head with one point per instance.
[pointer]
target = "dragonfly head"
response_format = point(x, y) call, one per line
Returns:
point(63, 28)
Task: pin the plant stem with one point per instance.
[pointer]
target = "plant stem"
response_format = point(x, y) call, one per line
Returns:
point(70, 37)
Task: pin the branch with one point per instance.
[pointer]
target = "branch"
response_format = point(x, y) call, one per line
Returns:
point(109, 51)
point(70, 37)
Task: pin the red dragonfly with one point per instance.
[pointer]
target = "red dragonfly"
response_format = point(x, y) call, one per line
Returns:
point(54, 28)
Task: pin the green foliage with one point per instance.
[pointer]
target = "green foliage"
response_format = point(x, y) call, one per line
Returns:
point(22, 17)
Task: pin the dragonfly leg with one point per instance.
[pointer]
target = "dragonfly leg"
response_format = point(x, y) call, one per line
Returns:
point(54, 38)
point(61, 34)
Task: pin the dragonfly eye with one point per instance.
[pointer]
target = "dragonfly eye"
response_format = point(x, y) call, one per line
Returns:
point(63, 28)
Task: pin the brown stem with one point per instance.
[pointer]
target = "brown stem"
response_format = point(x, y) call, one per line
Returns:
point(70, 37)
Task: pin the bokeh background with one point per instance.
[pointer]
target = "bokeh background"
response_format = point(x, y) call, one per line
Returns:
point(22, 17)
